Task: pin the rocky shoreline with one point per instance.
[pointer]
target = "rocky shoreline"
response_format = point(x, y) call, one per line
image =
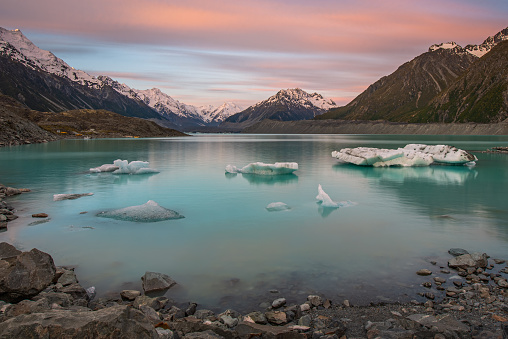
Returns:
point(466, 297)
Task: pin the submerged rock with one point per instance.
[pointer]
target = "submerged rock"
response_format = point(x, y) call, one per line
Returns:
point(469, 260)
point(149, 212)
point(58, 197)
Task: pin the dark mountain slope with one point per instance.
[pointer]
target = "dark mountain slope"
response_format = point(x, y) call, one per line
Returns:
point(412, 86)
point(43, 91)
point(479, 95)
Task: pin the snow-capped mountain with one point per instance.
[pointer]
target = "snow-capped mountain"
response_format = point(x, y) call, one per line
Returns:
point(476, 50)
point(286, 105)
point(18, 47)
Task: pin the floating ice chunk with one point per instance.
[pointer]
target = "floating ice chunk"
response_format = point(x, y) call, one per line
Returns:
point(104, 168)
point(277, 206)
point(410, 155)
point(443, 153)
point(232, 169)
point(58, 197)
point(325, 199)
point(149, 212)
point(264, 169)
point(133, 167)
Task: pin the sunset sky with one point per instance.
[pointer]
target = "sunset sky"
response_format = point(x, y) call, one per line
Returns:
point(207, 52)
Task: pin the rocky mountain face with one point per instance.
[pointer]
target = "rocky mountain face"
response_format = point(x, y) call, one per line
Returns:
point(433, 87)
point(16, 128)
point(479, 95)
point(286, 105)
point(42, 81)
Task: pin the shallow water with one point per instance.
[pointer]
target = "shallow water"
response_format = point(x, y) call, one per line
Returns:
point(229, 250)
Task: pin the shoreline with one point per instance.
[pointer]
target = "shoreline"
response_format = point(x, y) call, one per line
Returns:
point(473, 305)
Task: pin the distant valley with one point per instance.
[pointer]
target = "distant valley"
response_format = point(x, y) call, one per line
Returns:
point(447, 84)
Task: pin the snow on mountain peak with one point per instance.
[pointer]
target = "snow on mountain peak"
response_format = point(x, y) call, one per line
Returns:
point(300, 97)
point(476, 50)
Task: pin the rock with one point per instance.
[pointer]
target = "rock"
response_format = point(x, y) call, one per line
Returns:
point(112, 322)
point(25, 275)
point(469, 260)
point(91, 292)
point(427, 284)
point(424, 272)
point(165, 333)
point(430, 295)
point(305, 320)
point(191, 309)
point(7, 250)
point(304, 307)
point(144, 300)
point(499, 261)
point(203, 314)
point(276, 317)
point(27, 307)
point(9, 191)
point(209, 334)
point(315, 300)
point(76, 291)
point(129, 294)
point(457, 251)
point(278, 302)
point(252, 330)
point(58, 298)
point(442, 322)
point(39, 215)
point(153, 282)
point(257, 317)
point(228, 320)
point(439, 280)
point(68, 277)
point(327, 303)
point(150, 313)
point(502, 283)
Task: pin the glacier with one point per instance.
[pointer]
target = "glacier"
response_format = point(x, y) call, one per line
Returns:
point(264, 169)
point(277, 206)
point(149, 212)
point(410, 155)
point(125, 167)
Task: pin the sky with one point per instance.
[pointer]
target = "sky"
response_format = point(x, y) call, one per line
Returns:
point(205, 52)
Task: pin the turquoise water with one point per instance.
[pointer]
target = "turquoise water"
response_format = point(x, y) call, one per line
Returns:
point(229, 250)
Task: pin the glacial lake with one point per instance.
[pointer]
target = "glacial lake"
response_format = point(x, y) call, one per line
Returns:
point(229, 251)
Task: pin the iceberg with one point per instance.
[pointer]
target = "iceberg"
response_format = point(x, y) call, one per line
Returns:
point(277, 206)
point(264, 169)
point(410, 155)
point(149, 212)
point(125, 167)
point(325, 200)
point(104, 168)
point(58, 197)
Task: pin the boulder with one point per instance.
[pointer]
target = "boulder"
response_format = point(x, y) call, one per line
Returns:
point(7, 250)
point(278, 302)
point(153, 282)
point(130, 294)
point(276, 317)
point(68, 277)
point(112, 322)
point(469, 260)
point(25, 275)
point(252, 330)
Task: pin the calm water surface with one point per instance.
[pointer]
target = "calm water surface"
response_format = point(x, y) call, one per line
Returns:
point(229, 250)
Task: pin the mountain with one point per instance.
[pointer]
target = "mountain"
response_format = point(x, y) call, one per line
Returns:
point(410, 93)
point(43, 81)
point(286, 105)
point(479, 95)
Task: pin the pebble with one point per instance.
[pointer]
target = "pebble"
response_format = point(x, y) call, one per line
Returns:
point(424, 272)
point(39, 215)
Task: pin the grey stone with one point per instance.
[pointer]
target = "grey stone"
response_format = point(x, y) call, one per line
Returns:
point(315, 300)
point(68, 277)
point(466, 261)
point(7, 250)
point(209, 334)
point(305, 320)
point(130, 294)
point(424, 272)
point(228, 320)
point(112, 322)
point(153, 281)
point(191, 309)
point(252, 330)
point(150, 313)
point(203, 314)
point(278, 302)
point(276, 317)
point(164, 333)
point(257, 317)
point(25, 275)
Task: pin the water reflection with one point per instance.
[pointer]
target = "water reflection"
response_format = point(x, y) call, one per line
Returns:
point(256, 179)
point(442, 175)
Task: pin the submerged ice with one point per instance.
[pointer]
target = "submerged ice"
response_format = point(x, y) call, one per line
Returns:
point(410, 155)
point(149, 212)
point(277, 206)
point(120, 166)
point(264, 169)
